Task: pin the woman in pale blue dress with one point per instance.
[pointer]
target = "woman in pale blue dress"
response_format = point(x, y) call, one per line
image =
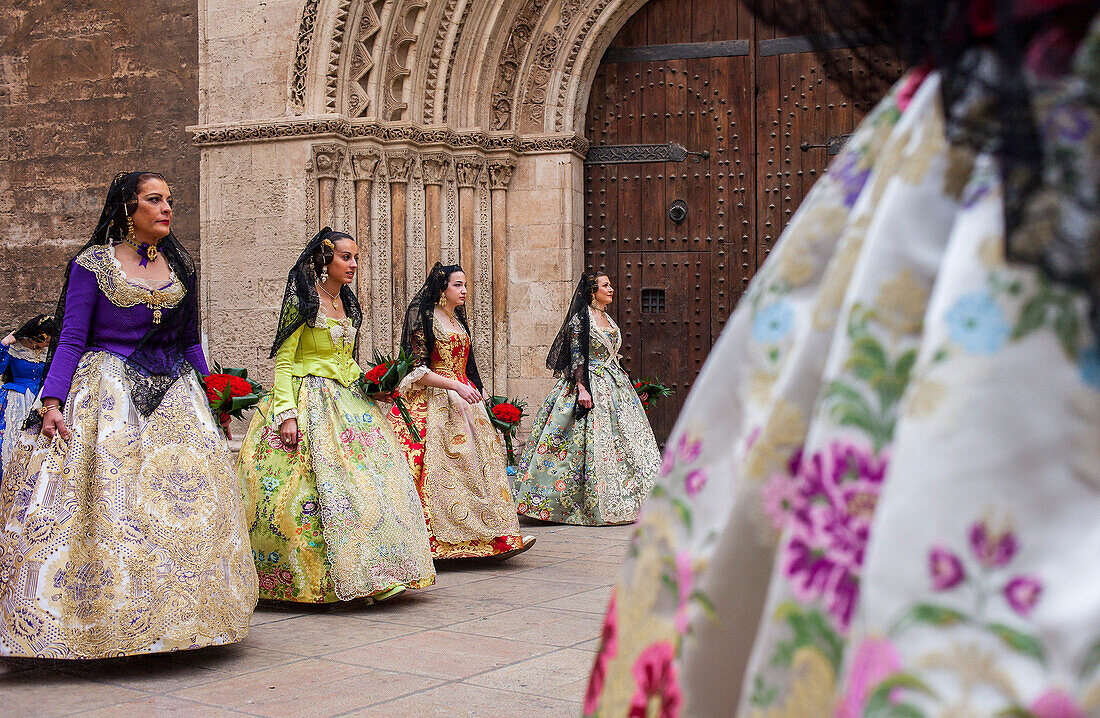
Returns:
point(592, 457)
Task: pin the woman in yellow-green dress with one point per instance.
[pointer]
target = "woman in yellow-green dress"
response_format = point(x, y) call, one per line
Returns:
point(333, 510)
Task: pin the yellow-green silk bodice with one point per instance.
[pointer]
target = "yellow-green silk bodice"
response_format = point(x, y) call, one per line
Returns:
point(324, 349)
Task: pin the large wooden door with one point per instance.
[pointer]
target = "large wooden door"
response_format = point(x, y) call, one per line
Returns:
point(707, 130)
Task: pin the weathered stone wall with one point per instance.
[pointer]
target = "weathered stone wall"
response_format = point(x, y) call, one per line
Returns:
point(86, 90)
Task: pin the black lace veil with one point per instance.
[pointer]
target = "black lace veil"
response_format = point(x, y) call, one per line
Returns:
point(996, 59)
point(158, 359)
point(418, 318)
point(568, 355)
point(300, 299)
point(36, 327)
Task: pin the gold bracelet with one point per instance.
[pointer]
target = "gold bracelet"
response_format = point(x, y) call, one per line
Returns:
point(45, 409)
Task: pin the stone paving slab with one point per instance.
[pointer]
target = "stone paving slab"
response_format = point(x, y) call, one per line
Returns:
point(492, 640)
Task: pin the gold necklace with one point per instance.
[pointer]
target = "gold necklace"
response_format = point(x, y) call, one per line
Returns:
point(147, 252)
point(333, 298)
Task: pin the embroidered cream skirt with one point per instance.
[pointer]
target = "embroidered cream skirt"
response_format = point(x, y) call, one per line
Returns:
point(129, 537)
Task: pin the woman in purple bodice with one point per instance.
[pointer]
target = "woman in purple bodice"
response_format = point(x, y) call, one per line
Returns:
point(122, 525)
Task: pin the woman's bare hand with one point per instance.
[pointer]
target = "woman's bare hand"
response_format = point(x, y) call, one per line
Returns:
point(289, 434)
point(54, 423)
point(468, 393)
point(8, 340)
point(583, 397)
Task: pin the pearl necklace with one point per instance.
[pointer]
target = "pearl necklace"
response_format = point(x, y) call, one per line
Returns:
point(331, 296)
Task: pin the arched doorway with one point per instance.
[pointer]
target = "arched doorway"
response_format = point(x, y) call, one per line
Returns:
point(707, 130)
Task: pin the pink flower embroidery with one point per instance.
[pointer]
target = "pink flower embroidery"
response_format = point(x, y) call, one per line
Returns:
point(875, 660)
point(1023, 593)
point(657, 682)
point(946, 568)
point(685, 584)
point(609, 648)
point(694, 482)
point(347, 436)
point(779, 495)
point(688, 449)
point(830, 525)
point(1056, 703)
point(992, 550)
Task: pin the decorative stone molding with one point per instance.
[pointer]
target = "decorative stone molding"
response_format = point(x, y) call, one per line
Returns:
point(510, 62)
point(361, 62)
point(468, 170)
point(364, 163)
point(328, 159)
point(399, 164)
point(435, 57)
point(347, 130)
point(301, 56)
point(402, 44)
point(339, 39)
point(500, 173)
point(449, 249)
point(436, 165)
point(483, 292)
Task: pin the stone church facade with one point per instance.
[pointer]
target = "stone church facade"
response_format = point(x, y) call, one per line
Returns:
point(447, 130)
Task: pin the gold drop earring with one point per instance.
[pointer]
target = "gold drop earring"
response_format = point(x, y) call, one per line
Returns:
point(442, 301)
point(324, 275)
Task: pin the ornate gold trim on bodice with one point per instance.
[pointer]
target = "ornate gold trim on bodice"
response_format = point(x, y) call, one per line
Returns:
point(445, 341)
point(120, 290)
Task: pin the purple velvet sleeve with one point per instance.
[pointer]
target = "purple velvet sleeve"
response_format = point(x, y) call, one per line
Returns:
point(194, 355)
point(79, 308)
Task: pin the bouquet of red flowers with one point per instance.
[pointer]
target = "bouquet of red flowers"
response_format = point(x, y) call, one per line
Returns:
point(651, 390)
point(384, 378)
point(230, 392)
point(505, 414)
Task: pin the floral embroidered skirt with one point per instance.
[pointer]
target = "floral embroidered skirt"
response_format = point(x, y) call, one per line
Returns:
point(592, 472)
point(338, 518)
point(14, 408)
point(460, 474)
point(882, 495)
point(129, 537)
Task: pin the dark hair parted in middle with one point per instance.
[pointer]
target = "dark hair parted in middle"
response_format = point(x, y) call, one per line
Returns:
point(418, 317)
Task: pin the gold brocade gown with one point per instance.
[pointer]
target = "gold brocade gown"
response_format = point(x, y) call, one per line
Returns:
point(459, 466)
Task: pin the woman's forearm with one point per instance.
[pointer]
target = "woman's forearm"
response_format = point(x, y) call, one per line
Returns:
point(438, 381)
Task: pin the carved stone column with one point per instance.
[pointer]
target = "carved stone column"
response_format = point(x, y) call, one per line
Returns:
point(467, 170)
point(363, 166)
point(399, 164)
point(436, 166)
point(500, 174)
point(328, 159)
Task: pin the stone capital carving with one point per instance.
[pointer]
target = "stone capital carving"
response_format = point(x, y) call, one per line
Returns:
point(436, 165)
point(500, 173)
point(328, 159)
point(468, 170)
point(364, 163)
point(399, 164)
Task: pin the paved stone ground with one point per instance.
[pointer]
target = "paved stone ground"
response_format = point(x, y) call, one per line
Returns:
point(497, 640)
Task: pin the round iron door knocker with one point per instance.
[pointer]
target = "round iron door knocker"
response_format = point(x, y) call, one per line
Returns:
point(678, 211)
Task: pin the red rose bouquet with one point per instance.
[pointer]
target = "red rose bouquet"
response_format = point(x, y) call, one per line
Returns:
point(650, 390)
point(230, 392)
point(505, 414)
point(384, 378)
